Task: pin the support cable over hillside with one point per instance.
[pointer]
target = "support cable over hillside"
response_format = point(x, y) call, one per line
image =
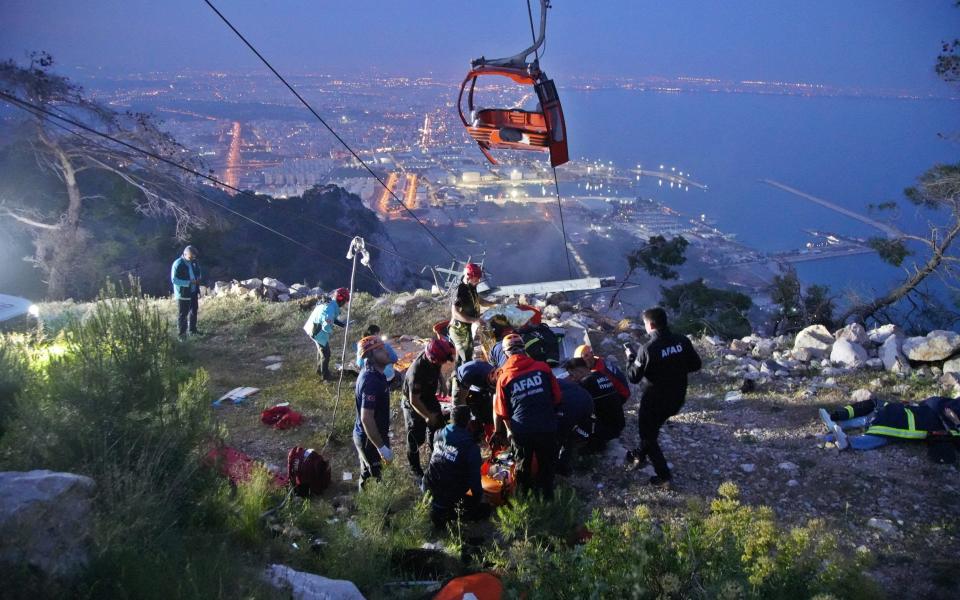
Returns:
point(49, 117)
point(556, 184)
point(329, 128)
point(563, 227)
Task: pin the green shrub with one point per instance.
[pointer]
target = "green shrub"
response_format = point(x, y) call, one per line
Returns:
point(108, 398)
point(529, 515)
point(13, 376)
point(726, 551)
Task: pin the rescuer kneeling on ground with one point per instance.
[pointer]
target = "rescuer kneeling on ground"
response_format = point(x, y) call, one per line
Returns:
point(664, 361)
point(453, 471)
point(574, 423)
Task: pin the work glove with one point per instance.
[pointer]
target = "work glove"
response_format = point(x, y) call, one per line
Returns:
point(631, 351)
point(386, 454)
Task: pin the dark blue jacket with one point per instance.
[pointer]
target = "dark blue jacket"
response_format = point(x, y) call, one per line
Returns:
point(454, 465)
point(474, 374)
point(373, 392)
point(575, 413)
point(607, 405)
point(527, 394)
point(497, 356)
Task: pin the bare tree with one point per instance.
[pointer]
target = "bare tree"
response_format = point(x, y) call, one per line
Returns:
point(59, 235)
point(656, 256)
point(937, 190)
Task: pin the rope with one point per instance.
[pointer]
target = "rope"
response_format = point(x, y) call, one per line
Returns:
point(343, 355)
point(563, 227)
point(328, 127)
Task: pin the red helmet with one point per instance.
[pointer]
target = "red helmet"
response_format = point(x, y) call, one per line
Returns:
point(473, 271)
point(440, 351)
point(341, 295)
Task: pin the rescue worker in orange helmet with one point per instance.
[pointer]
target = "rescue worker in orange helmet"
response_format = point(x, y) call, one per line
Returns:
point(607, 367)
point(371, 428)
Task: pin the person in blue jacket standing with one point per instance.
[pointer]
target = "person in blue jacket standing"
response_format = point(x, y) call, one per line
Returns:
point(185, 276)
point(320, 325)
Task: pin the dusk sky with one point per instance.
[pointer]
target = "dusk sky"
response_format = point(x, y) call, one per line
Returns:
point(875, 44)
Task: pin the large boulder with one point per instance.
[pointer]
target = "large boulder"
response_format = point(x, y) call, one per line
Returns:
point(816, 339)
point(221, 287)
point(307, 586)
point(251, 284)
point(936, 345)
point(893, 359)
point(952, 365)
point(879, 335)
point(45, 520)
point(849, 354)
point(854, 332)
point(274, 284)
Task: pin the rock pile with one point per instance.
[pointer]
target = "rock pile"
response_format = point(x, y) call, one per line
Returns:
point(268, 288)
point(847, 349)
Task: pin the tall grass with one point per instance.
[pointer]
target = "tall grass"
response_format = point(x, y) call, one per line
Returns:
point(108, 398)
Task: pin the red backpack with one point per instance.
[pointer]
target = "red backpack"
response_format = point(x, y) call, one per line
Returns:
point(309, 472)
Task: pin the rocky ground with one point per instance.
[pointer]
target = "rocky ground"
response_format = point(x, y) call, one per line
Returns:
point(893, 501)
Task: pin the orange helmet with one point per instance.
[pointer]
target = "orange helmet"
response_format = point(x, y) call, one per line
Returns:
point(583, 350)
point(513, 344)
point(368, 344)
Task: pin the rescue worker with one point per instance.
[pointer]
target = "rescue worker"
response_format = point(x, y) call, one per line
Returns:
point(476, 381)
point(609, 419)
point(389, 372)
point(664, 361)
point(574, 423)
point(453, 471)
point(320, 324)
point(465, 312)
point(421, 409)
point(884, 422)
point(605, 366)
point(525, 403)
point(371, 430)
point(185, 276)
